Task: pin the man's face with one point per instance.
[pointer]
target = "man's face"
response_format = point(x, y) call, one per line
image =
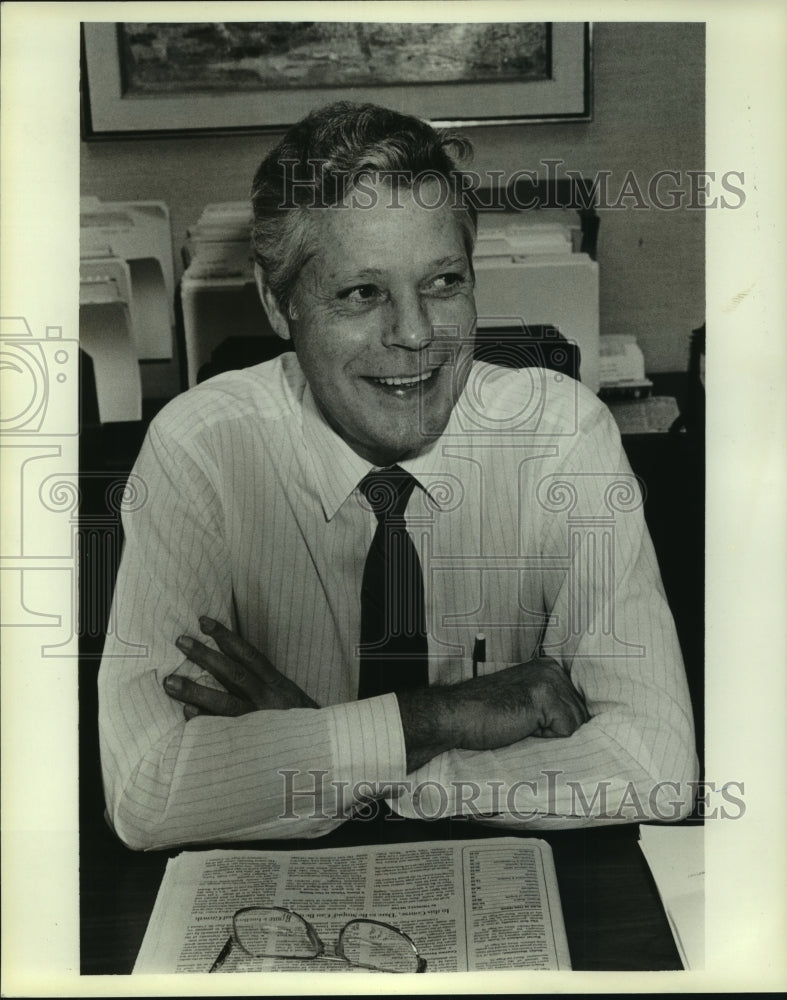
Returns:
point(366, 308)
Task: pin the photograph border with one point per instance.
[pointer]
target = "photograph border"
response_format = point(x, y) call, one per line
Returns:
point(746, 535)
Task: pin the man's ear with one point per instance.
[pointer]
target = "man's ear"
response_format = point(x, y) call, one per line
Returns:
point(276, 317)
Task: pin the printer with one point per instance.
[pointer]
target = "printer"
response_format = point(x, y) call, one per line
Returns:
point(528, 273)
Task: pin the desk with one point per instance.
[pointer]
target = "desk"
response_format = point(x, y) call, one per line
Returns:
point(614, 919)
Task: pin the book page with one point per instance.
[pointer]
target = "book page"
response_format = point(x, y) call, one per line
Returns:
point(506, 887)
point(513, 911)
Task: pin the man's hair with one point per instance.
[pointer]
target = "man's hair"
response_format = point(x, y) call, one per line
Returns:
point(323, 156)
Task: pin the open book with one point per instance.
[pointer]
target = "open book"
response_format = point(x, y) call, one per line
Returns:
point(467, 905)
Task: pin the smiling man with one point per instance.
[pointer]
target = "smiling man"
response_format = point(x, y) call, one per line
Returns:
point(379, 278)
point(339, 524)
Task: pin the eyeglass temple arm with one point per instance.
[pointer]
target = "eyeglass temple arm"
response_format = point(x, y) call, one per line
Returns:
point(222, 955)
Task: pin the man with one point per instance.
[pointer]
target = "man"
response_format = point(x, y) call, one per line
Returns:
point(338, 655)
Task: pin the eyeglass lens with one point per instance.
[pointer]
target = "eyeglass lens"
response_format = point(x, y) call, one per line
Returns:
point(272, 933)
point(376, 946)
point(277, 933)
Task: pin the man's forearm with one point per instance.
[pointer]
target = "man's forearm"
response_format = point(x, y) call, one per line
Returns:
point(496, 710)
point(605, 773)
point(277, 773)
point(424, 714)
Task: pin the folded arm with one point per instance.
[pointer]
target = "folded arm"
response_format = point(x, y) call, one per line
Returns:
point(283, 772)
point(490, 712)
point(611, 630)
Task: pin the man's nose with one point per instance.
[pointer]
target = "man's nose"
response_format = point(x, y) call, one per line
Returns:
point(408, 323)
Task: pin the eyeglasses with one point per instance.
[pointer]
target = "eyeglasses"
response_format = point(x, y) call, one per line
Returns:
point(276, 932)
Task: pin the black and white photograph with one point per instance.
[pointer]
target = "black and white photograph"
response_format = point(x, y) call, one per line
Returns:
point(383, 560)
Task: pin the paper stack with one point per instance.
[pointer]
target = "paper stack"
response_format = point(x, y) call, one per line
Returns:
point(676, 858)
point(217, 291)
point(522, 235)
point(219, 243)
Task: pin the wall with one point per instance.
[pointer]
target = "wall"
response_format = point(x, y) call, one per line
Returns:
point(649, 97)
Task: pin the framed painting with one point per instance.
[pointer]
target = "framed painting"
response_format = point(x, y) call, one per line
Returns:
point(163, 78)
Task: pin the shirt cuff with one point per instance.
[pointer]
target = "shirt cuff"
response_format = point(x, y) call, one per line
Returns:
point(368, 747)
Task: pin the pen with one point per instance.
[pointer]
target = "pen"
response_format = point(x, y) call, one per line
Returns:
point(479, 652)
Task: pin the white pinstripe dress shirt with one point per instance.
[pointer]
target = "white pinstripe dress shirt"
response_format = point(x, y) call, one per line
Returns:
point(530, 529)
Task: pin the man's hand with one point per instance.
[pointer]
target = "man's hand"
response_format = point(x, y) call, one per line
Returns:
point(250, 680)
point(529, 699)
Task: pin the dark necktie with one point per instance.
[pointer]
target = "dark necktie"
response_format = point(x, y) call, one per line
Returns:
point(394, 650)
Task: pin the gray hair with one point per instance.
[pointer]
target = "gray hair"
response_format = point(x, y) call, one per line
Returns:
point(322, 157)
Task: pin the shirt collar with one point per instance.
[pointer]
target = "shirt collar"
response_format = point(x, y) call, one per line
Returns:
point(338, 469)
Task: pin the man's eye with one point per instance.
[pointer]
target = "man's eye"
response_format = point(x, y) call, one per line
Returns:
point(447, 282)
point(360, 294)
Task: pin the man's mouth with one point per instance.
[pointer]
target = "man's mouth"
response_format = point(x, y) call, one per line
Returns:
point(402, 381)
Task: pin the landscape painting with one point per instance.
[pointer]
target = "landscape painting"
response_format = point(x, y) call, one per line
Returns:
point(165, 77)
point(169, 58)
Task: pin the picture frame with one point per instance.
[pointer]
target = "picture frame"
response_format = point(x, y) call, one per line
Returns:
point(110, 110)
